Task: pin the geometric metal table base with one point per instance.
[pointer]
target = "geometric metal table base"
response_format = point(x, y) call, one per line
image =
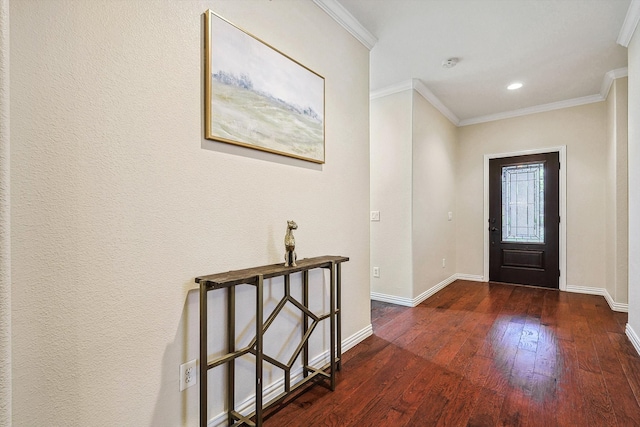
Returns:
point(256, 277)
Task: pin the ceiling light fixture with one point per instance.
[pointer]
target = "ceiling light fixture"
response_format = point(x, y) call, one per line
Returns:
point(450, 63)
point(514, 86)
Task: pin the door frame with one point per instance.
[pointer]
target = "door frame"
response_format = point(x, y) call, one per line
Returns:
point(562, 150)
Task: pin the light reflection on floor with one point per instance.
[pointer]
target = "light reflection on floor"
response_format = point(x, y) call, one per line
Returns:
point(525, 355)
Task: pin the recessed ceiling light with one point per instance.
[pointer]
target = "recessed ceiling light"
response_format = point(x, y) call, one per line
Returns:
point(514, 86)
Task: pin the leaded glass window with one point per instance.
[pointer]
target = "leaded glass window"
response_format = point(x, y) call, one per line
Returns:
point(523, 203)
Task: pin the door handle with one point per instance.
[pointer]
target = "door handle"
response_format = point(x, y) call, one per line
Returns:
point(493, 229)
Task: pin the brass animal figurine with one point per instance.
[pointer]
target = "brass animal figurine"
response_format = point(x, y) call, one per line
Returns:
point(290, 245)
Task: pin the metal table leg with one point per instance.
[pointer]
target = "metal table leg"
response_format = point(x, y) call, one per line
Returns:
point(231, 347)
point(339, 315)
point(203, 355)
point(305, 322)
point(332, 325)
point(259, 348)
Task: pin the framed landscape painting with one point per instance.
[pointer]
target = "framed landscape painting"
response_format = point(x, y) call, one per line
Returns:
point(258, 97)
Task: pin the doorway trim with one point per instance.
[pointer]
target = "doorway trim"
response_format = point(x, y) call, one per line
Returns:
point(562, 150)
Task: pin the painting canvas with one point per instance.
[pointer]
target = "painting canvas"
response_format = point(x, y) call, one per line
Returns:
point(258, 97)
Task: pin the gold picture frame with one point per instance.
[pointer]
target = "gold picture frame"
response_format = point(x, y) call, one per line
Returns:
point(258, 97)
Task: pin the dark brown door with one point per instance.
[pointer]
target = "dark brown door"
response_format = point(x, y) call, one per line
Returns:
point(524, 220)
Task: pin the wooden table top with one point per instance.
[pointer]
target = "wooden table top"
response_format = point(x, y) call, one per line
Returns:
point(250, 275)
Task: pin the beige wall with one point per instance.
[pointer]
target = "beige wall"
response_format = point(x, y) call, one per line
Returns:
point(616, 193)
point(118, 202)
point(433, 195)
point(413, 185)
point(445, 167)
point(391, 158)
point(622, 191)
point(5, 220)
point(583, 130)
point(634, 185)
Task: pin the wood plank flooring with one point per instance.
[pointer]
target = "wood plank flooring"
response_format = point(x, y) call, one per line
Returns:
point(483, 354)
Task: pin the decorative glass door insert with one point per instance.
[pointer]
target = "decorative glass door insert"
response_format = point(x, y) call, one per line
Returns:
point(523, 203)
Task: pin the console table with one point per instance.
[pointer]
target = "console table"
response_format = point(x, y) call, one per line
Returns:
point(255, 277)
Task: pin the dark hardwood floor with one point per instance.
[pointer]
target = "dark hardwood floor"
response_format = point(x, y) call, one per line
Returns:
point(483, 354)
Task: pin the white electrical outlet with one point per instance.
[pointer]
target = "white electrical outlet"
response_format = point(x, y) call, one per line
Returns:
point(376, 271)
point(188, 375)
point(375, 215)
point(444, 261)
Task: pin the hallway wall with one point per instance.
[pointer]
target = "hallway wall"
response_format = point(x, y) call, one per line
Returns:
point(118, 202)
point(413, 156)
point(633, 329)
point(391, 192)
point(617, 207)
point(434, 196)
point(583, 130)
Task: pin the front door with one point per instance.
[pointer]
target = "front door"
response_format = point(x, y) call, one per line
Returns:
point(524, 220)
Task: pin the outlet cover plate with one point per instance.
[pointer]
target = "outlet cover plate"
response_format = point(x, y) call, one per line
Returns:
point(188, 376)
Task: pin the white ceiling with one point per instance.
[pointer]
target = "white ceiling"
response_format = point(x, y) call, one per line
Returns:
point(560, 49)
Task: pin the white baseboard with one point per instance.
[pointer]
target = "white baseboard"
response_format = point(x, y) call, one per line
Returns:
point(426, 294)
point(356, 339)
point(586, 290)
point(392, 299)
point(470, 277)
point(413, 302)
point(272, 391)
point(615, 306)
point(633, 337)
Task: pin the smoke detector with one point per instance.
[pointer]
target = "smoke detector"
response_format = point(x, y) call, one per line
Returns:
point(450, 63)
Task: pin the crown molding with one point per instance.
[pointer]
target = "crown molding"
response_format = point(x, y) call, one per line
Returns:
point(390, 90)
point(348, 21)
point(421, 88)
point(630, 23)
point(609, 77)
point(433, 100)
point(533, 110)
point(418, 86)
point(607, 81)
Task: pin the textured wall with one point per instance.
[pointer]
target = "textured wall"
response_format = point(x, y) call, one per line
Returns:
point(435, 140)
point(118, 202)
point(634, 183)
point(617, 189)
point(5, 224)
point(391, 153)
point(583, 130)
point(622, 191)
point(413, 187)
point(611, 208)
